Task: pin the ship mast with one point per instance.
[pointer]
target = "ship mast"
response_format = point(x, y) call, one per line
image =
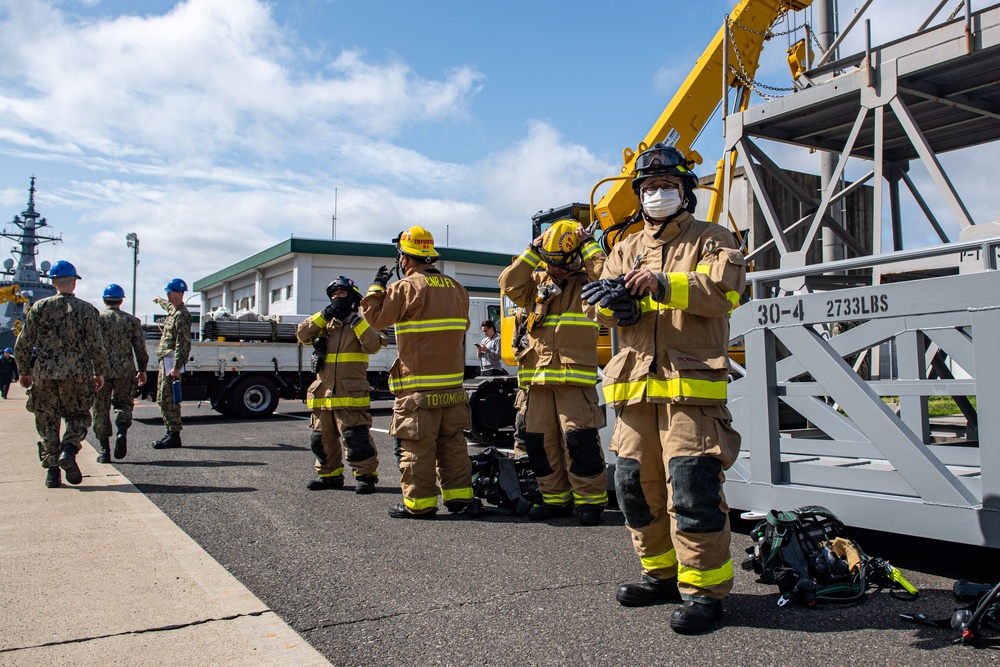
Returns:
point(28, 239)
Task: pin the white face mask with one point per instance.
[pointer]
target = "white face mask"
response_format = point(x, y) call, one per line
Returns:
point(661, 203)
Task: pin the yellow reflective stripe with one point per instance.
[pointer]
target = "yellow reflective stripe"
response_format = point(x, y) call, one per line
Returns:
point(340, 402)
point(590, 248)
point(424, 326)
point(361, 327)
point(568, 320)
point(605, 311)
point(531, 258)
point(599, 499)
point(319, 321)
point(419, 504)
point(346, 357)
point(557, 498)
point(706, 578)
point(664, 561)
point(704, 268)
point(686, 388)
point(339, 472)
point(673, 388)
point(678, 290)
point(556, 376)
point(371, 474)
point(464, 493)
point(624, 391)
point(375, 289)
point(426, 381)
point(734, 298)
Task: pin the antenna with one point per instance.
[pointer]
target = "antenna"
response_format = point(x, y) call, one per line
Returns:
point(335, 214)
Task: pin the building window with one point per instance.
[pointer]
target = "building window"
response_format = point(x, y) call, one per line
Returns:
point(288, 291)
point(275, 295)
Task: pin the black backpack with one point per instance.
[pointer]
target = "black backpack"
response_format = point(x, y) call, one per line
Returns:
point(808, 554)
point(505, 482)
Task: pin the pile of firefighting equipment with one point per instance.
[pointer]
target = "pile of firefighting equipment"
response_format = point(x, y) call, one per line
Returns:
point(505, 482)
point(808, 554)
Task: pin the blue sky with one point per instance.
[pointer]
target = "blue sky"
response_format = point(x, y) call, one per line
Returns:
point(216, 128)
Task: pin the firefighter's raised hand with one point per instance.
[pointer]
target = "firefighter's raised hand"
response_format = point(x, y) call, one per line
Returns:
point(383, 276)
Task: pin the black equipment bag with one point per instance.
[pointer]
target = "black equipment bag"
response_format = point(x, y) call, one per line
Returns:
point(808, 554)
point(503, 481)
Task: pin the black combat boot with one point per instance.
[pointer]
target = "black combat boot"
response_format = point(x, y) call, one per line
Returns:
point(544, 511)
point(365, 484)
point(695, 616)
point(104, 453)
point(649, 590)
point(324, 483)
point(121, 442)
point(472, 509)
point(53, 478)
point(400, 511)
point(590, 516)
point(67, 461)
point(171, 440)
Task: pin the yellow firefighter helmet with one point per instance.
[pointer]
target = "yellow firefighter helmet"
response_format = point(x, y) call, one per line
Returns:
point(416, 242)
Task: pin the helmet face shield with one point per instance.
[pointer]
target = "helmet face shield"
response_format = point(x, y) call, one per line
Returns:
point(660, 157)
point(560, 246)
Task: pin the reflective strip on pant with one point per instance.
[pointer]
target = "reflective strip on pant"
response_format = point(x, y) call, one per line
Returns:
point(339, 472)
point(705, 578)
point(562, 498)
point(599, 499)
point(421, 504)
point(464, 493)
point(664, 561)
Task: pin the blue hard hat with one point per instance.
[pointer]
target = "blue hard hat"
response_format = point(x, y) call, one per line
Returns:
point(114, 291)
point(176, 285)
point(9, 350)
point(63, 269)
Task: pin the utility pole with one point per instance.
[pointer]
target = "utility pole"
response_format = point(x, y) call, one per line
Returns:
point(133, 242)
point(335, 214)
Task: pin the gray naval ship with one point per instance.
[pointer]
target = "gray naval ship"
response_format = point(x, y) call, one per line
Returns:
point(21, 282)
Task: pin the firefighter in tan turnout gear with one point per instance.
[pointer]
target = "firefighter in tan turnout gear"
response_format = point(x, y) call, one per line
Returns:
point(431, 314)
point(558, 371)
point(670, 289)
point(340, 396)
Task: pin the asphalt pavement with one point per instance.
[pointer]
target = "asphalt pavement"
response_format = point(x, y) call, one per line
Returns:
point(365, 589)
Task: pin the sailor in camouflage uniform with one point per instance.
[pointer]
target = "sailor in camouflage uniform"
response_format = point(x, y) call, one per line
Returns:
point(126, 347)
point(61, 358)
point(176, 339)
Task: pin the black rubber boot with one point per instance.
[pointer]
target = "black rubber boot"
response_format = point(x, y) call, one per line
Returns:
point(121, 442)
point(171, 440)
point(472, 509)
point(365, 484)
point(589, 516)
point(67, 461)
point(693, 617)
point(400, 512)
point(53, 478)
point(545, 511)
point(648, 591)
point(104, 454)
point(325, 483)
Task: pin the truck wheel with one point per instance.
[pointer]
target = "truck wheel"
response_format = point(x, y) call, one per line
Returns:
point(253, 397)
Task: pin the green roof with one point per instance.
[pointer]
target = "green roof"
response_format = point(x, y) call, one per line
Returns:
point(353, 248)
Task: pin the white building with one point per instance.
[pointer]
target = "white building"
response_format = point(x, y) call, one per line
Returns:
point(291, 277)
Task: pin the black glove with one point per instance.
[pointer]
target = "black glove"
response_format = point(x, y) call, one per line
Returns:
point(606, 291)
point(329, 312)
point(626, 312)
point(383, 276)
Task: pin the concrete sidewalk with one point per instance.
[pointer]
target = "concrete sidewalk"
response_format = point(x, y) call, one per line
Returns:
point(95, 574)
